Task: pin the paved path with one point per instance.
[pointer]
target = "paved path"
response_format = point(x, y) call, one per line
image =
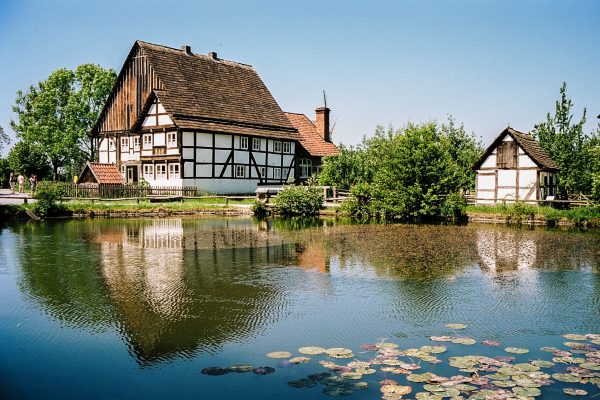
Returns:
point(8, 197)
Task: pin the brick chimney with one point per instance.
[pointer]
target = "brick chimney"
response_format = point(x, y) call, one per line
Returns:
point(187, 49)
point(323, 122)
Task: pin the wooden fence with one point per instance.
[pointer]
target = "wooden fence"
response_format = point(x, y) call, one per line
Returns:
point(580, 200)
point(71, 190)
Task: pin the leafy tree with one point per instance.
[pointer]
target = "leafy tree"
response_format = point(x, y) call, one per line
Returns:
point(345, 170)
point(4, 172)
point(4, 139)
point(56, 115)
point(464, 149)
point(28, 158)
point(567, 144)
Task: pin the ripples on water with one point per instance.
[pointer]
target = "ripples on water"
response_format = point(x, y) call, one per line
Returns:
point(169, 294)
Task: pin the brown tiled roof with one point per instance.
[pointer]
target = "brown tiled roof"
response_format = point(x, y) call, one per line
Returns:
point(105, 173)
point(527, 142)
point(216, 92)
point(310, 139)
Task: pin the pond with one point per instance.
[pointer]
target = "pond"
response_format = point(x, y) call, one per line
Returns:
point(159, 308)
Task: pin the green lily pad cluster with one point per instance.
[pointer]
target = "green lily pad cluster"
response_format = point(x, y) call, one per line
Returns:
point(400, 372)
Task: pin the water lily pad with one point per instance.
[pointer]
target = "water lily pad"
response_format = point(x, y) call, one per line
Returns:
point(548, 349)
point(397, 389)
point(427, 396)
point(456, 326)
point(362, 385)
point(527, 383)
point(386, 345)
point(339, 352)
point(304, 383)
point(516, 350)
point(240, 368)
point(351, 375)
point(311, 350)
point(299, 360)
point(543, 363)
point(465, 341)
point(263, 370)
point(575, 392)
point(358, 364)
point(504, 384)
point(214, 371)
point(526, 367)
point(441, 338)
point(574, 336)
point(433, 349)
point(566, 378)
point(465, 388)
point(526, 391)
point(590, 365)
point(279, 354)
point(366, 371)
point(490, 343)
point(420, 377)
point(337, 391)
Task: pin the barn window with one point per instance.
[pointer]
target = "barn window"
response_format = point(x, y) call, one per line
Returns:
point(277, 147)
point(244, 143)
point(255, 144)
point(305, 167)
point(506, 155)
point(240, 171)
point(172, 139)
point(287, 147)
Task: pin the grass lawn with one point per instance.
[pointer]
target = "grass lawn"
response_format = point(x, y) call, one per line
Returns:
point(520, 211)
point(82, 205)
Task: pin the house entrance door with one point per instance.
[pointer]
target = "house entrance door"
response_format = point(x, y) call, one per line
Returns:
point(132, 174)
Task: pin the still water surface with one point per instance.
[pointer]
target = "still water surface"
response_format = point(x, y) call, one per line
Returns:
point(137, 308)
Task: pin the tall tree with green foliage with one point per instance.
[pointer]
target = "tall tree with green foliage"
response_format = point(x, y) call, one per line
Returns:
point(346, 169)
point(28, 158)
point(57, 113)
point(4, 139)
point(568, 145)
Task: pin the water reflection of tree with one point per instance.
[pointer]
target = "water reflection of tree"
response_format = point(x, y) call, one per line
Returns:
point(173, 287)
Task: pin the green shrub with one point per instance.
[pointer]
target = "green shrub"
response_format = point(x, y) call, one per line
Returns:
point(454, 205)
point(47, 196)
point(299, 200)
point(259, 208)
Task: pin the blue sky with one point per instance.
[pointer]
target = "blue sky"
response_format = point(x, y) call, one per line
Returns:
point(487, 63)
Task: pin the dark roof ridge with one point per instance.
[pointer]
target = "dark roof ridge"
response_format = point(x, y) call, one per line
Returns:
point(180, 52)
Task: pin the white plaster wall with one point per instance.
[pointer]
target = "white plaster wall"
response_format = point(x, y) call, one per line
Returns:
point(149, 121)
point(287, 159)
point(507, 138)
point(103, 156)
point(270, 145)
point(204, 139)
point(187, 138)
point(527, 178)
point(224, 186)
point(103, 145)
point(241, 157)
point(164, 120)
point(293, 146)
point(164, 182)
point(159, 139)
point(490, 162)
point(227, 171)
point(125, 156)
point(204, 170)
point(112, 157)
point(486, 195)
point(222, 140)
point(221, 155)
point(172, 150)
point(188, 168)
point(525, 161)
point(188, 153)
point(524, 191)
point(486, 181)
point(260, 158)
point(506, 194)
point(274, 160)
point(507, 177)
point(203, 155)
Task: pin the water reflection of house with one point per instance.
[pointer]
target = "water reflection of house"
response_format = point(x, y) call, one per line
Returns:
point(501, 251)
point(185, 286)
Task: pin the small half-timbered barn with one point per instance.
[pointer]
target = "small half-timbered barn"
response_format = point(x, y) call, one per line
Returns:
point(314, 142)
point(514, 167)
point(176, 118)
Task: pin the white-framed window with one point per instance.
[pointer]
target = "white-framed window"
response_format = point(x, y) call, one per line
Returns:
point(148, 171)
point(123, 170)
point(262, 171)
point(256, 144)
point(161, 171)
point(277, 173)
point(284, 173)
point(136, 143)
point(148, 141)
point(173, 171)
point(287, 147)
point(111, 144)
point(277, 147)
point(172, 139)
point(125, 144)
point(240, 170)
point(305, 168)
point(244, 142)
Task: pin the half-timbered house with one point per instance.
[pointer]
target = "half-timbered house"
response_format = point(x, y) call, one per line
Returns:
point(514, 167)
point(179, 118)
point(314, 142)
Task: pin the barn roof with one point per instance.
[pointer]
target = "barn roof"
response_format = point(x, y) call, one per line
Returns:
point(310, 139)
point(528, 143)
point(206, 92)
point(103, 173)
